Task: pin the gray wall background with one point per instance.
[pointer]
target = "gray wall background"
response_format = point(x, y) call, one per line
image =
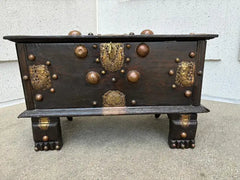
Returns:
point(55, 17)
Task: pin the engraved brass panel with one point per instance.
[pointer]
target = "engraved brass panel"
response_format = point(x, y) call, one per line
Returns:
point(44, 123)
point(113, 98)
point(40, 77)
point(185, 118)
point(185, 74)
point(112, 56)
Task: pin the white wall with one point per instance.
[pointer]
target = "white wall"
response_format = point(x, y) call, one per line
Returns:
point(28, 17)
point(221, 78)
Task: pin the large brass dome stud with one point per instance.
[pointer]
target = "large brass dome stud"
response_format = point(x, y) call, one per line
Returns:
point(142, 50)
point(92, 77)
point(74, 33)
point(81, 51)
point(31, 57)
point(188, 93)
point(147, 32)
point(133, 76)
point(39, 97)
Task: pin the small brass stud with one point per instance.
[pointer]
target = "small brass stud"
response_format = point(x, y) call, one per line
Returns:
point(193, 145)
point(182, 146)
point(174, 86)
point(114, 79)
point(90, 34)
point(133, 102)
point(25, 77)
point(39, 97)
point(171, 72)
point(57, 147)
point(200, 73)
point(93, 77)
point(36, 148)
point(94, 103)
point(122, 71)
point(55, 76)
point(94, 46)
point(128, 46)
point(131, 33)
point(103, 72)
point(31, 57)
point(52, 90)
point(45, 148)
point(183, 135)
point(173, 145)
point(192, 54)
point(97, 60)
point(188, 93)
point(45, 138)
point(177, 60)
point(48, 63)
point(128, 59)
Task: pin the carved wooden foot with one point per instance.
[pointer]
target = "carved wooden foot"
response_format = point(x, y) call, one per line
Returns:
point(47, 133)
point(157, 115)
point(182, 130)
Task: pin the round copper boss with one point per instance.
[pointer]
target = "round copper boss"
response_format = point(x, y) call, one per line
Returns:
point(142, 50)
point(188, 93)
point(133, 76)
point(74, 33)
point(92, 77)
point(38, 97)
point(81, 51)
point(147, 32)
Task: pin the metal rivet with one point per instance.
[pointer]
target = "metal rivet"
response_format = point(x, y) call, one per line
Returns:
point(177, 60)
point(48, 63)
point(133, 102)
point(94, 46)
point(173, 145)
point(25, 77)
point(90, 34)
point(128, 59)
point(45, 138)
point(39, 97)
point(171, 72)
point(52, 90)
point(55, 76)
point(128, 46)
point(188, 93)
point(57, 147)
point(97, 60)
point(193, 145)
point(122, 71)
point(192, 54)
point(142, 50)
point(147, 32)
point(36, 148)
point(174, 86)
point(31, 57)
point(114, 79)
point(45, 148)
point(92, 77)
point(94, 103)
point(74, 33)
point(103, 72)
point(81, 51)
point(131, 33)
point(133, 76)
point(182, 146)
point(183, 135)
point(200, 73)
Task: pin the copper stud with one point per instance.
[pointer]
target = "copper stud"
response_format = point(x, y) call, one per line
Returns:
point(48, 63)
point(174, 86)
point(103, 72)
point(182, 146)
point(39, 97)
point(122, 71)
point(57, 147)
point(131, 33)
point(177, 60)
point(133, 102)
point(142, 50)
point(36, 148)
point(92, 77)
point(25, 77)
point(74, 33)
point(97, 60)
point(133, 76)
point(52, 90)
point(147, 32)
point(94, 103)
point(128, 59)
point(45, 148)
point(200, 73)
point(128, 46)
point(188, 93)
point(55, 76)
point(171, 72)
point(183, 135)
point(94, 46)
point(114, 79)
point(81, 51)
point(31, 57)
point(192, 54)
point(45, 138)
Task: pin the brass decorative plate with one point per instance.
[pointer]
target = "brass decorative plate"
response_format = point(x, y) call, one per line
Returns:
point(113, 98)
point(44, 123)
point(185, 74)
point(112, 56)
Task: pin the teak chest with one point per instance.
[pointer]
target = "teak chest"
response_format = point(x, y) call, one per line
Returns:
point(76, 75)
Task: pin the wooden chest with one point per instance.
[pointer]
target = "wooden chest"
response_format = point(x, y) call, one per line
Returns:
point(75, 75)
